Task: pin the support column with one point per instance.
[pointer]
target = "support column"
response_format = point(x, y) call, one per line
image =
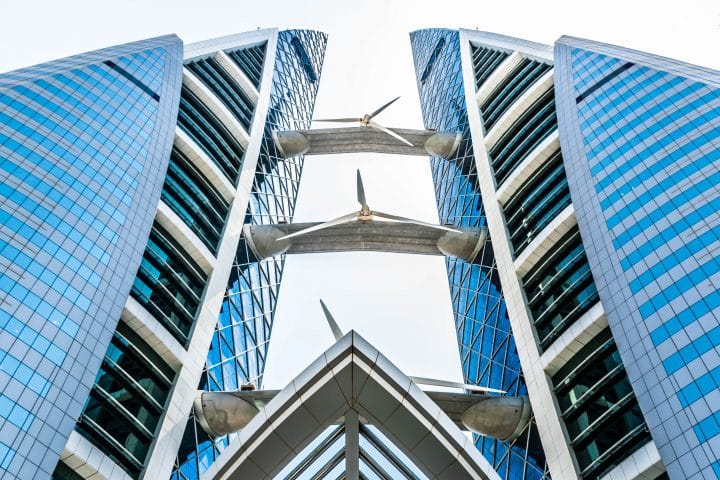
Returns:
point(352, 445)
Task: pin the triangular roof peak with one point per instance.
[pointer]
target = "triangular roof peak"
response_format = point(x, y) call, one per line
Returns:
point(351, 376)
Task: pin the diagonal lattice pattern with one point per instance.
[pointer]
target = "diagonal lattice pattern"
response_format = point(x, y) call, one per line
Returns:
point(487, 348)
point(239, 346)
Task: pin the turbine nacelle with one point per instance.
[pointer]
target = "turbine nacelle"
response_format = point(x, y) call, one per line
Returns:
point(465, 243)
point(504, 418)
point(221, 413)
point(442, 144)
point(367, 121)
point(290, 143)
point(365, 214)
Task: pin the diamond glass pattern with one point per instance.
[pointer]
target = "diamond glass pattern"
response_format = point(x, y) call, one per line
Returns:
point(239, 346)
point(487, 349)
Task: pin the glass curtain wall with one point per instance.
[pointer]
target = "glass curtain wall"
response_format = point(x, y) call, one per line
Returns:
point(487, 348)
point(240, 343)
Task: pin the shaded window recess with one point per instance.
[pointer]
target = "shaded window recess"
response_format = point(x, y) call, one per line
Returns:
point(250, 60)
point(602, 82)
point(304, 59)
point(485, 61)
point(133, 79)
point(433, 58)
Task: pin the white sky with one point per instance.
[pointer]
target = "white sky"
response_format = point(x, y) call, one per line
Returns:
point(399, 303)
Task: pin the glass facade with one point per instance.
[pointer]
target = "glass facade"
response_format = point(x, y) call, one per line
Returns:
point(600, 412)
point(221, 84)
point(534, 125)
point(485, 61)
point(169, 284)
point(81, 141)
point(251, 61)
point(239, 345)
point(487, 349)
point(643, 134)
point(195, 200)
point(123, 411)
point(560, 288)
point(537, 202)
point(210, 134)
point(517, 82)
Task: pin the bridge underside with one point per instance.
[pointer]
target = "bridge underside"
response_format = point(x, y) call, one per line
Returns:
point(376, 236)
point(333, 141)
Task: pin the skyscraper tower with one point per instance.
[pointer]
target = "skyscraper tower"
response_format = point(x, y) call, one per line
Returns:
point(640, 137)
point(611, 305)
point(240, 341)
point(84, 144)
point(595, 294)
point(236, 90)
point(487, 348)
point(105, 154)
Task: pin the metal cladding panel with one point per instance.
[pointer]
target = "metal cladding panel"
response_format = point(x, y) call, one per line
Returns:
point(640, 136)
point(240, 342)
point(487, 349)
point(84, 145)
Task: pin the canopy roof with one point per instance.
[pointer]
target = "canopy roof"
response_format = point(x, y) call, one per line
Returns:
point(350, 381)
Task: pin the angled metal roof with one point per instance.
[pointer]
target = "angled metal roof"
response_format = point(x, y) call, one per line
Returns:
point(356, 386)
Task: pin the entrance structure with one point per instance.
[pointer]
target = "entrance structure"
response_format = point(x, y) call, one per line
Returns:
point(354, 385)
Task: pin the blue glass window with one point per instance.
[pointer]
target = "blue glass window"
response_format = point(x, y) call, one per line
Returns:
point(433, 58)
point(305, 61)
point(82, 141)
point(169, 284)
point(597, 404)
point(540, 199)
point(517, 82)
point(210, 134)
point(127, 401)
point(527, 132)
point(194, 199)
point(485, 61)
point(250, 60)
point(214, 76)
point(560, 288)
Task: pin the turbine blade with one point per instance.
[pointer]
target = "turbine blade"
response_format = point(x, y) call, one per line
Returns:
point(331, 321)
point(416, 222)
point(449, 384)
point(337, 119)
point(315, 228)
point(390, 132)
point(360, 190)
point(376, 112)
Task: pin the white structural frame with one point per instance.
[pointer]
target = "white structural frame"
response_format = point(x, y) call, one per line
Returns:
point(536, 367)
point(81, 454)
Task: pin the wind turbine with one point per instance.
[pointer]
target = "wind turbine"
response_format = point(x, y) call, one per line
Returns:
point(364, 215)
point(337, 333)
point(367, 121)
